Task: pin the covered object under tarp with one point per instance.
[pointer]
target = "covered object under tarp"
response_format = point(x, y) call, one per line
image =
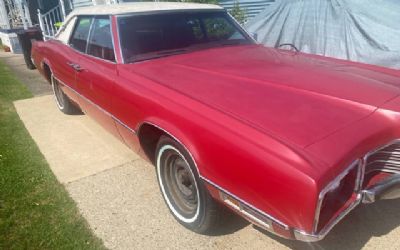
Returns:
point(365, 31)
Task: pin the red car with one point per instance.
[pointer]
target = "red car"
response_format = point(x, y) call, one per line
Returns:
point(292, 142)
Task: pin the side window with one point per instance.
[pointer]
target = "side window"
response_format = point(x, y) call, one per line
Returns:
point(100, 41)
point(80, 35)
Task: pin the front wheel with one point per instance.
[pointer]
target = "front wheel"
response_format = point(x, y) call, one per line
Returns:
point(63, 102)
point(185, 195)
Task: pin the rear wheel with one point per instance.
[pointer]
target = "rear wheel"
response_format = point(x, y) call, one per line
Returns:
point(63, 102)
point(185, 195)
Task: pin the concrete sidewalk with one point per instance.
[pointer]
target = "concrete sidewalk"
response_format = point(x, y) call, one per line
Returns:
point(118, 194)
point(31, 78)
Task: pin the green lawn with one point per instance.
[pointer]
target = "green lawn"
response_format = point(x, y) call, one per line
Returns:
point(36, 212)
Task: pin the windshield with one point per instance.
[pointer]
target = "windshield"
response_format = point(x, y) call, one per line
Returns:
point(150, 36)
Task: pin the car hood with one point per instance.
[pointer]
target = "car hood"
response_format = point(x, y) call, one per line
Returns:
point(292, 96)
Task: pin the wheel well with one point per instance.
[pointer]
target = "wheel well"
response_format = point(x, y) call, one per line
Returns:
point(149, 135)
point(47, 72)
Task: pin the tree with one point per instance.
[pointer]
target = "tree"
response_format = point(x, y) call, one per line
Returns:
point(238, 13)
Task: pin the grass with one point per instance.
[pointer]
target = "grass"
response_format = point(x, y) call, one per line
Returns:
point(36, 212)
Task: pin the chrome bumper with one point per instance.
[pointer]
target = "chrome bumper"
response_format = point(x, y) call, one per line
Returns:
point(387, 189)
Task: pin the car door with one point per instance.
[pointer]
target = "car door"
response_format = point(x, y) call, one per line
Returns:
point(96, 73)
point(63, 56)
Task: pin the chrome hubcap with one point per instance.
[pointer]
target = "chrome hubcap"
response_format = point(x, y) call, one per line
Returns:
point(180, 184)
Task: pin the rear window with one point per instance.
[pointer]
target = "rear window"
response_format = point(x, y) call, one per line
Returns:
point(150, 36)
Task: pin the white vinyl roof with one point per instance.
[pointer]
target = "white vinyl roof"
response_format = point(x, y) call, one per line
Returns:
point(125, 8)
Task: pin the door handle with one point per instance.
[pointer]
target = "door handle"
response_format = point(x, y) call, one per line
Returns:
point(75, 66)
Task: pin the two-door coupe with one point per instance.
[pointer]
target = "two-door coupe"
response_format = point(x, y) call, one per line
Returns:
point(292, 142)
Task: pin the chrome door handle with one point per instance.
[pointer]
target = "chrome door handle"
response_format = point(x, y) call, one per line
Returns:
point(75, 66)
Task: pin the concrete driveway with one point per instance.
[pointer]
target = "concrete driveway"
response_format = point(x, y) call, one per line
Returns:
point(118, 194)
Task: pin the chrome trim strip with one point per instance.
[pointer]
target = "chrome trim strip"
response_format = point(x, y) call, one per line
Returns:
point(246, 203)
point(303, 236)
point(97, 106)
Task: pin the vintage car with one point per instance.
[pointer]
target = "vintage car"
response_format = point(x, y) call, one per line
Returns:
point(292, 142)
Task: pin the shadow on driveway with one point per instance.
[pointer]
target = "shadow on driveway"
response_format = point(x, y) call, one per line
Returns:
point(356, 229)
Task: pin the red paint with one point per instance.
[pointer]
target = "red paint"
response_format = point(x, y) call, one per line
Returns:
point(272, 128)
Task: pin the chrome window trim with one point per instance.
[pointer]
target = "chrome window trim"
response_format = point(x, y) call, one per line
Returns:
point(119, 39)
point(90, 33)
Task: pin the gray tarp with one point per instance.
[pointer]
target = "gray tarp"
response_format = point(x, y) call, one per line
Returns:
point(358, 30)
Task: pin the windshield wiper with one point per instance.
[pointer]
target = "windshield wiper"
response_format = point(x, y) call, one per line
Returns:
point(171, 52)
point(155, 55)
point(231, 43)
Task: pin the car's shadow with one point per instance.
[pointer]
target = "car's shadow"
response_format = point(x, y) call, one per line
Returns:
point(353, 232)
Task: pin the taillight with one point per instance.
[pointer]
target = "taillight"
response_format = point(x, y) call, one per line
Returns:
point(337, 196)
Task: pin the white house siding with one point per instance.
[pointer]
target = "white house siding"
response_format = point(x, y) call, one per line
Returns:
point(81, 3)
point(252, 7)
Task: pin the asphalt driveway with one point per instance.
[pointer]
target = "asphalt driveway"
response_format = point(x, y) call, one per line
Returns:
point(117, 193)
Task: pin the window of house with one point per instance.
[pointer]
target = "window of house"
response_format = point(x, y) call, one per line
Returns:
point(100, 41)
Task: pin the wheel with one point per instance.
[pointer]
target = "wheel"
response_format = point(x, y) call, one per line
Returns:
point(185, 195)
point(28, 62)
point(63, 102)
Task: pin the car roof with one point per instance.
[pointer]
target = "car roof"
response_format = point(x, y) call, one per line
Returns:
point(126, 8)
